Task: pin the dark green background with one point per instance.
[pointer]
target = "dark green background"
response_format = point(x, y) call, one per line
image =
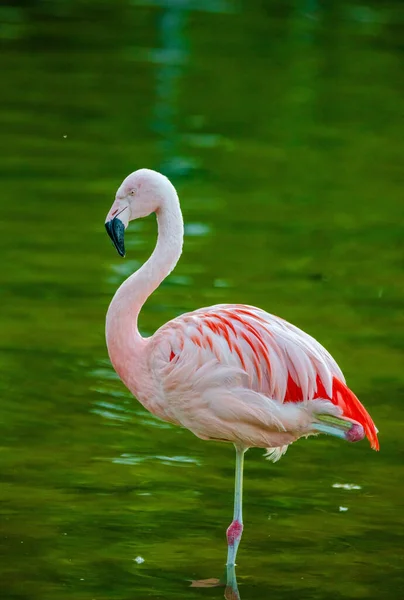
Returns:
point(280, 124)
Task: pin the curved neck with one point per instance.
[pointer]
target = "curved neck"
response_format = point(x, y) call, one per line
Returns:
point(123, 338)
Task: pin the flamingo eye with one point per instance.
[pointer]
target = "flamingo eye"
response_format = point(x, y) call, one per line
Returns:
point(132, 192)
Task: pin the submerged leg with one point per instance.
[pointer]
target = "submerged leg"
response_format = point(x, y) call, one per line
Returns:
point(231, 591)
point(236, 528)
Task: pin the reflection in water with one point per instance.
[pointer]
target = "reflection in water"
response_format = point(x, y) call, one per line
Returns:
point(171, 59)
point(228, 581)
point(231, 591)
point(133, 459)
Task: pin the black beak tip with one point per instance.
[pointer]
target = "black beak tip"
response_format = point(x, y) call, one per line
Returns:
point(116, 230)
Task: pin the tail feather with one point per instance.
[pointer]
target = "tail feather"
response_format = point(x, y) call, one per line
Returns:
point(352, 408)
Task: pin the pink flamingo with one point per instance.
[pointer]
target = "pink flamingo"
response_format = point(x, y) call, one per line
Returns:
point(230, 372)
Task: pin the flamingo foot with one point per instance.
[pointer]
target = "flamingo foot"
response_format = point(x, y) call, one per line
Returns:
point(346, 429)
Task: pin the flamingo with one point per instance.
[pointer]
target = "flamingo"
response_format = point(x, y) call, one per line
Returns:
point(230, 372)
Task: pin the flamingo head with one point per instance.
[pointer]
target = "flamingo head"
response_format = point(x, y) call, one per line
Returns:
point(140, 194)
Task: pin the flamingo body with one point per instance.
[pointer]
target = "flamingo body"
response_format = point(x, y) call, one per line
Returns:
point(229, 372)
point(238, 374)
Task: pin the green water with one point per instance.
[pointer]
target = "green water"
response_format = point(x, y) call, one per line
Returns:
point(280, 124)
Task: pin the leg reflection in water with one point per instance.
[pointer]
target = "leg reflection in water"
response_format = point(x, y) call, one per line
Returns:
point(231, 591)
point(229, 580)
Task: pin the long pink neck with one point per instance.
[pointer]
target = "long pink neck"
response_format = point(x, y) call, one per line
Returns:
point(125, 344)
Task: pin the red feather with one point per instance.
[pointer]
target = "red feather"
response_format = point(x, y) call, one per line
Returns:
point(354, 409)
point(343, 397)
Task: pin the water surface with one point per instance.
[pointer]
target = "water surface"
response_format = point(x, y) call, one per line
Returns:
point(280, 125)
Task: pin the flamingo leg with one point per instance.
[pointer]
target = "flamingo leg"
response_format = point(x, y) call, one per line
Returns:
point(231, 591)
point(236, 527)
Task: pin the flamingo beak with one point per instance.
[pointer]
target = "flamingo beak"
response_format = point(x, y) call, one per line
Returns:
point(116, 230)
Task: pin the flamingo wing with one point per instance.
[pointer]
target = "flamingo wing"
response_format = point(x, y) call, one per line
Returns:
point(259, 351)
